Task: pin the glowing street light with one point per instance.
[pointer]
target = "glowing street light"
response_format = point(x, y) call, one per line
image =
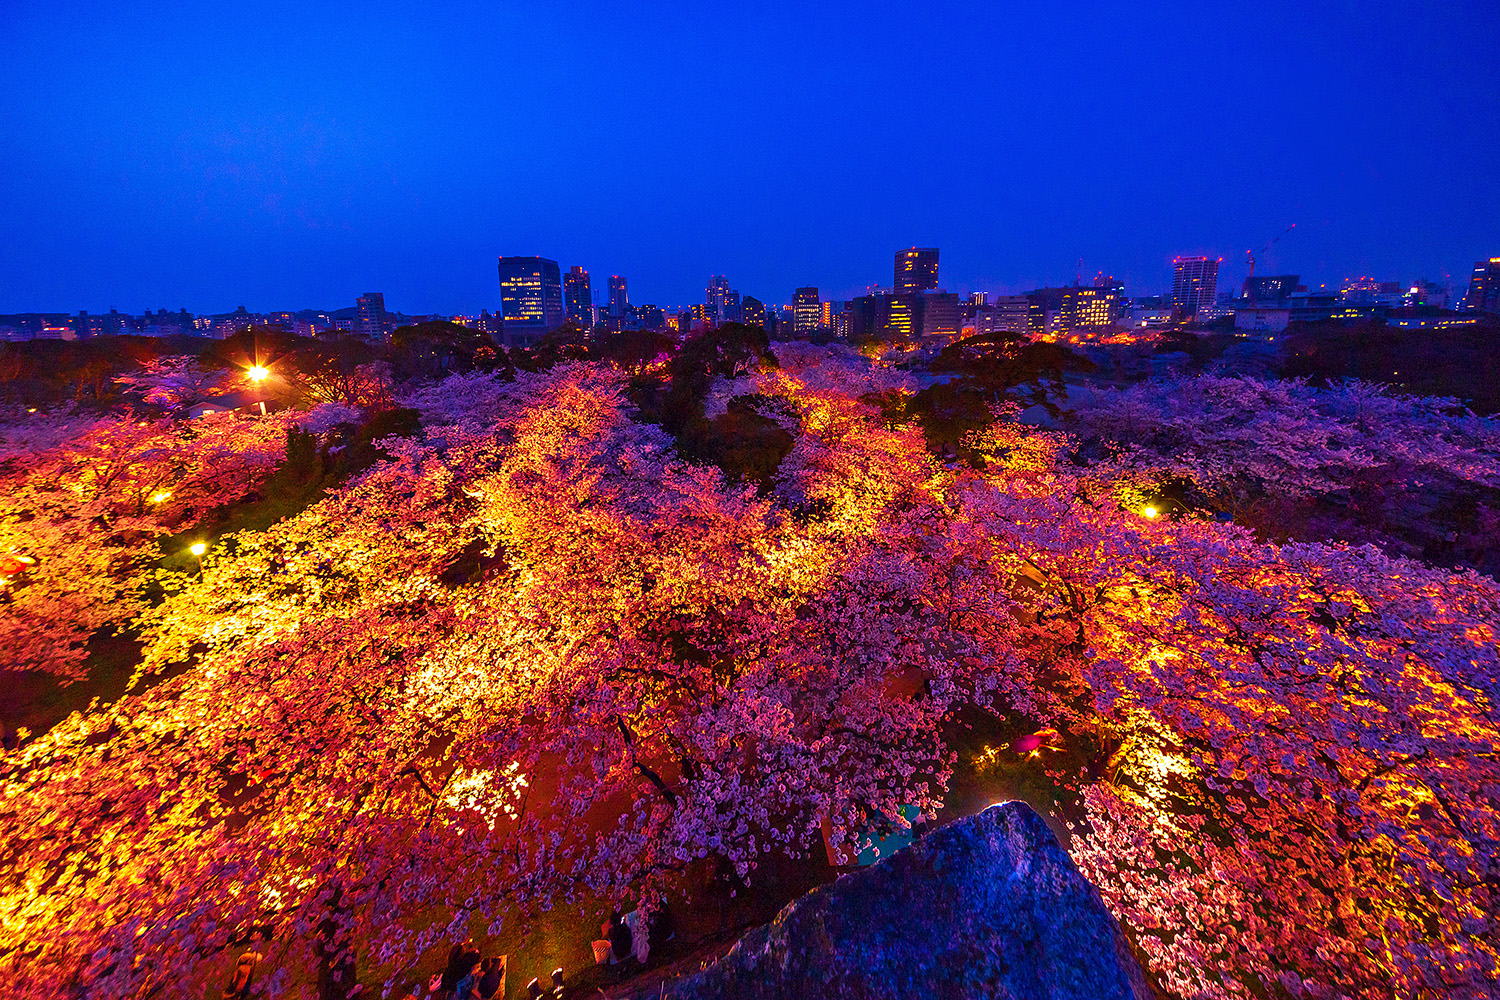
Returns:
point(198, 548)
point(256, 373)
point(1150, 512)
point(14, 564)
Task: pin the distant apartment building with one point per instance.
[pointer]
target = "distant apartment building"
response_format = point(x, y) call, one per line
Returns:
point(807, 312)
point(578, 297)
point(721, 303)
point(531, 299)
point(916, 270)
point(619, 297)
point(649, 317)
point(1194, 283)
point(1484, 286)
point(369, 316)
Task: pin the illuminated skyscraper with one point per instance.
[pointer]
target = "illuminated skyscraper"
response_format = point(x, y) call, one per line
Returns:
point(619, 297)
point(916, 270)
point(1484, 286)
point(807, 311)
point(579, 294)
point(531, 299)
point(1194, 281)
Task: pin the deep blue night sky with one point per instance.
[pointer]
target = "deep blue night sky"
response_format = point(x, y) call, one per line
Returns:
point(210, 155)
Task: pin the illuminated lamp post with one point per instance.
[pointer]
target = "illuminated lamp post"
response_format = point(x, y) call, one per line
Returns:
point(197, 549)
point(14, 564)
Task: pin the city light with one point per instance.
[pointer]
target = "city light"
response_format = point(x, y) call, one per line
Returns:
point(1149, 511)
point(198, 548)
point(256, 373)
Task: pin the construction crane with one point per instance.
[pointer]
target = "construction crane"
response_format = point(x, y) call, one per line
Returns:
point(1250, 254)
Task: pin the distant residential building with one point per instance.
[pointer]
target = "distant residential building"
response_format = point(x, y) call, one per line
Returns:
point(1484, 286)
point(369, 316)
point(1194, 282)
point(578, 295)
point(531, 299)
point(916, 270)
point(807, 311)
point(619, 297)
point(649, 317)
point(722, 302)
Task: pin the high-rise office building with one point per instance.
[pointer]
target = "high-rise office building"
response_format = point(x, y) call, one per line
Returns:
point(916, 269)
point(579, 295)
point(807, 311)
point(531, 299)
point(1484, 286)
point(1194, 281)
point(369, 316)
point(619, 297)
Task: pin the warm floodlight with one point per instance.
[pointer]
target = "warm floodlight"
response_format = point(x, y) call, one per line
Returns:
point(198, 548)
point(1150, 511)
point(256, 373)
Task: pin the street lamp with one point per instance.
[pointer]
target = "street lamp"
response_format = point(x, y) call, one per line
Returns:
point(198, 548)
point(256, 373)
point(1149, 512)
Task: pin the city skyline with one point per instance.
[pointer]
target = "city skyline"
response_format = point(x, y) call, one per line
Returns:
point(208, 159)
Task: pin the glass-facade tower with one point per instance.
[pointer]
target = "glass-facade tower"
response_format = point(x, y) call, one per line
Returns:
point(531, 299)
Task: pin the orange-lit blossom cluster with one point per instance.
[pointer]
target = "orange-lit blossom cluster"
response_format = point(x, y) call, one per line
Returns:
point(535, 651)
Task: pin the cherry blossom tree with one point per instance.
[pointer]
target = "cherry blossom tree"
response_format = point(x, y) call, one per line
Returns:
point(177, 382)
point(86, 499)
point(536, 652)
